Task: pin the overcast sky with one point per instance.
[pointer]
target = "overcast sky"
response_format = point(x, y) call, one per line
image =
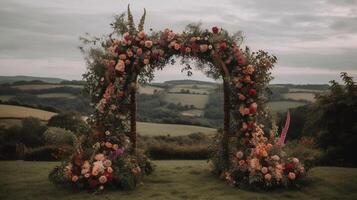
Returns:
point(314, 40)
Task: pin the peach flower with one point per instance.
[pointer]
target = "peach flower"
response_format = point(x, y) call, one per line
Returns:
point(295, 161)
point(75, 178)
point(141, 34)
point(291, 176)
point(264, 170)
point(120, 66)
point(250, 69)
point(148, 43)
point(275, 157)
point(122, 56)
point(203, 48)
point(146, 61)
point(267, 177)
point(241, 97)
point(110, 170)
point(99, 156)
point(139, 51)
point(177, 46)
point(115, 146)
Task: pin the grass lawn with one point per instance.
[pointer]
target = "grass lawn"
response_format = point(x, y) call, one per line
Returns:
point(173, 180)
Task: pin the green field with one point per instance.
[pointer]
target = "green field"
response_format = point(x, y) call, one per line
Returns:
point(173, 180)
point(57, 95)
point(6, 97)
point(149, 89)
point(11, 115)
point(307, 96)
point(192, 113)
point(154, 129)
point(199, 101)
point(283, 106)
point(43, 86)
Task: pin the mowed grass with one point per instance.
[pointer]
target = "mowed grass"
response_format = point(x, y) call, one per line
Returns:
point(199, 101)
point(10, 111)
point(283, 106)
point(300, 96)
point(155, 129)
point(173, 180)
point(43, 86)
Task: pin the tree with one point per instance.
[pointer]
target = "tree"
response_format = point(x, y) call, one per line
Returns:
point(333, 119)
point(71, 121)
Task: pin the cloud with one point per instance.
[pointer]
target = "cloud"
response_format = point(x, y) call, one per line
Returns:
point(41, 37)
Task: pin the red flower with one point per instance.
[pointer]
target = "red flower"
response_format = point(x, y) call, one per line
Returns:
point(223, 46)
point(289, 167)
point(252, 92)
point(93, 184)
point(109, 176)
point(215, 29)
point(193, 45)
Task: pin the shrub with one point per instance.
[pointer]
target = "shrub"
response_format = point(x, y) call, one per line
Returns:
point(58, 136)
point(47, 153)
point(305, 150)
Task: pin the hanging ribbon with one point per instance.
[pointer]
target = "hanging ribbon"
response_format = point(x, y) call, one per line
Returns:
point(285, 130)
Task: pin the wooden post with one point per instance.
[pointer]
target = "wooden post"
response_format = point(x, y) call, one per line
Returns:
point(226, 123)
point(133, 119)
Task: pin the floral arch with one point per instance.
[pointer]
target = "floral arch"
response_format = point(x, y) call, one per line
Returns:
point(242, 154)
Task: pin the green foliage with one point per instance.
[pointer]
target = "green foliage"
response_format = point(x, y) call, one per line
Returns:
point(31, 132)
point(332, 120)
point(72, 121)
point(58, 136)
point(305, 150)
point(44, 153)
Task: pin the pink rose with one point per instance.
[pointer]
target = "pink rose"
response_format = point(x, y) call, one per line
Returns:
point(102, 179)
point(264, 170)
point(291, 176)
point(141, 34)
point(107, 163)
point(148, 44)
point(75, 178)
point(267, 177)
point(110, 170)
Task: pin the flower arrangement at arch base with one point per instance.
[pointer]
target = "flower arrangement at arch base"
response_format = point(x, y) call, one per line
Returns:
point(104, 165)
point(264, 165)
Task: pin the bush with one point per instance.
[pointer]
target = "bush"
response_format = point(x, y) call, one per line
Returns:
point(47, 153)
point(168, 151)
point(58, 136)
point(71, 121)
point(305, 150)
